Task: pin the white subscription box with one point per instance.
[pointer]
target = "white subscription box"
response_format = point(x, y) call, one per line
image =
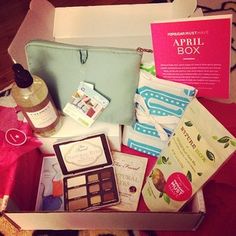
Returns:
point(126, 26)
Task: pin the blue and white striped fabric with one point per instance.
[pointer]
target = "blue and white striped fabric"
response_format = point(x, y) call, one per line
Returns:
point(159, 106)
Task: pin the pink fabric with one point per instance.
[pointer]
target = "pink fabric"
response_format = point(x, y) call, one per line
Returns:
point(226, 114)
point(11, 154)
point(26, 181)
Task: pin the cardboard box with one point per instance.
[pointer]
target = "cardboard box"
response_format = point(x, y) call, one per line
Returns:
point(111, 220)
point(119, 26)
point(71, 129)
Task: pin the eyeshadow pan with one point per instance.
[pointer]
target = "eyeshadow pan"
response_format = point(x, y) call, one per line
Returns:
point(78, 204)
point(93, 178)
point(77, 192)
point(106, 185)
point(94, 188)
point(76, 181)
point(106, 175)
point(95, 199)
point(108, 197)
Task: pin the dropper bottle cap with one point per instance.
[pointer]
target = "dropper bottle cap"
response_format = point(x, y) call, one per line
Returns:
point(23, 78)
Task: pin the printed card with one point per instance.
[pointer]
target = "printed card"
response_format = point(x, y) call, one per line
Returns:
point(130, 171)
point(195, 51)
point(50, 195)
point(86, 105)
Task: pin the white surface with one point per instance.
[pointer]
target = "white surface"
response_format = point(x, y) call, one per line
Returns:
point(71, 129)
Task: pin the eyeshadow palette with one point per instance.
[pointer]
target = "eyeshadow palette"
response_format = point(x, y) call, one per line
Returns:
point(92, 189)
point(90, 180)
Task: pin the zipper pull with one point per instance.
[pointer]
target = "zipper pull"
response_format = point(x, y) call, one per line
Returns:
point(83, 55)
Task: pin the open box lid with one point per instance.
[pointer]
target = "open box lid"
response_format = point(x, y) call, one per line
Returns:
point(115, 25)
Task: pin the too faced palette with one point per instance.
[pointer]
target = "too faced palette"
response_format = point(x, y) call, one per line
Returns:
point(90, 181)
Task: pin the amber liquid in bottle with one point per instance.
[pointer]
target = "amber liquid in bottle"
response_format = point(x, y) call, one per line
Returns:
point(35, 103)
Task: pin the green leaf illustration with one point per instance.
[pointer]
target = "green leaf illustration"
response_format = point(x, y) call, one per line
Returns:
point(226, 145)
point(164, 159)
point(210, 155)
point(159, 162)
point(199, 137)
point(188, 123)
point(199, 173)
point(233, 143)
point(166, 198)
point(161, 194)
point(224, 139)
point(189, 176)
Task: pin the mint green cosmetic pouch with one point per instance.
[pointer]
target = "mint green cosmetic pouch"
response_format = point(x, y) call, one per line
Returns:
point(113, 71)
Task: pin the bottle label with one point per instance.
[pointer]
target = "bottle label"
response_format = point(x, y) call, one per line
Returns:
point(44, 117)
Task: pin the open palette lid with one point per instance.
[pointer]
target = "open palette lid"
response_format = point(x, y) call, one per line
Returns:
point(83, 154)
